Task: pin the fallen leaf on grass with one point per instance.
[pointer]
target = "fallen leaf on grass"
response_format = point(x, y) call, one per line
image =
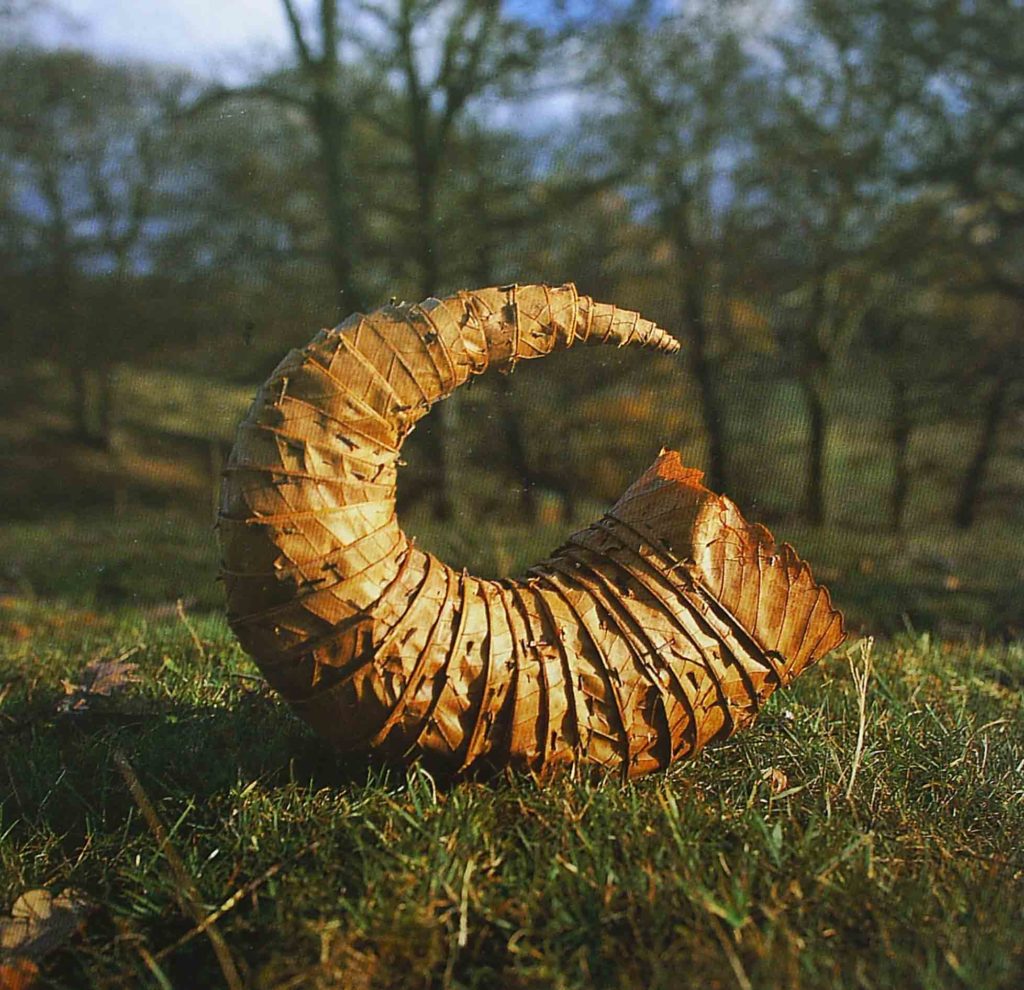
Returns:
point(108, 676)
point(16, 631)
point(776, 779)
point(102, 679)
point(18, 974)
point(40, 923)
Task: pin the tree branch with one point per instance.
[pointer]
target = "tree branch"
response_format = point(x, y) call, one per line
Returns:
point(301, 46)
point(221, 94)
point(329, 33)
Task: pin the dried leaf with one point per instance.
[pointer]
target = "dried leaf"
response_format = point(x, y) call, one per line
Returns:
point(776, 779)
point(102, 678)
point(659, 629)
point(40, 923)
point(106, 677)
point(18, 974)
point(18, 630)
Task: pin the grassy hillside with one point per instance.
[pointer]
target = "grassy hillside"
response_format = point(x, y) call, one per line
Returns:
point(765, 863)
point(133, 525)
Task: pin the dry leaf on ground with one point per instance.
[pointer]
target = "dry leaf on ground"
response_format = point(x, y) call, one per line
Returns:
point(40, 923)
point(18, 974)
point(776, 779)
point(102, 678)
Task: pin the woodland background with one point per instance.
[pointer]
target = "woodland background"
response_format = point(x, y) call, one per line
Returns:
point(823, 200)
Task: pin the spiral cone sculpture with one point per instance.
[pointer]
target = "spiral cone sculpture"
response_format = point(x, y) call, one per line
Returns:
point(659, 629)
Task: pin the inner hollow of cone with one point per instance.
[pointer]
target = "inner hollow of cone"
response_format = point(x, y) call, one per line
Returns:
point(506, 467)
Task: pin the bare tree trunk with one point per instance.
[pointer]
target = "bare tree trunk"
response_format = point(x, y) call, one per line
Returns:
point(92, 405)
point(330, 120)
point(511, 420)
point(817, 452)
point(899, 433)
point(429, 248)
point(437, 434)
point(701, 366)
point(105, 408)
point(331, 126)
point(974, 479)
point(437, 431)
point(516, 444)
point(80, 402)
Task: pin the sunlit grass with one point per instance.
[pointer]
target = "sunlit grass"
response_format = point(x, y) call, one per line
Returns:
point(748, 866)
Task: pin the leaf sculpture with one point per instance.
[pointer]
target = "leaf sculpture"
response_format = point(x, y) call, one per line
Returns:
point(657, 630)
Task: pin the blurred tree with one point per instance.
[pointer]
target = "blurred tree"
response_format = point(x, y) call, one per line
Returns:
point(81, 143)
point(684, 88)
point(826, 159)
point(438, 57)
point(493, 185)
point(968, 129)
point(411, 69)
point(326, 89)
point(901, 337)
point(1002, 364)
point(245, 244)
point(945, 342)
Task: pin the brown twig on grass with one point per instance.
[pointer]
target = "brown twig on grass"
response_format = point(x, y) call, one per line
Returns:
point(188, 895)
point(735, 964)
point(861, 675)
point(234, 900)
point(180, 609)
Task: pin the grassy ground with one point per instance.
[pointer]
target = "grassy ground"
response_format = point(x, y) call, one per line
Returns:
point(934, 578)
point(761, 864)
point(764, 863)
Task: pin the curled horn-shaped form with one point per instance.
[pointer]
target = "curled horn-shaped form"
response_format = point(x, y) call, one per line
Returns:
point(660, 628)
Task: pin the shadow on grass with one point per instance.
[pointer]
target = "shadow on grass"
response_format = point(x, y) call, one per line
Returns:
point(891, 605)
point(62, 777)
point(69, 820)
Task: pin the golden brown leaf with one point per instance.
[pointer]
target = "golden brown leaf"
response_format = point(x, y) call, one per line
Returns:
point(776, 779)
point(655, 631)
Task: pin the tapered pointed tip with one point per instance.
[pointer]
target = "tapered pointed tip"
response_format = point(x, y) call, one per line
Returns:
point(668, 467)
point(662, 340)
point(610, 324)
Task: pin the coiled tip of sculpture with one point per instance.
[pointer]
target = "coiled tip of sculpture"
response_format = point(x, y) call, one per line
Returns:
point(611, 324)
point(662, 340)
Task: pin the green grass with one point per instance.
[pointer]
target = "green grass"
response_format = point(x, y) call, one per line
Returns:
point(934, 579)
point(356, 877)
point(102, 560)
